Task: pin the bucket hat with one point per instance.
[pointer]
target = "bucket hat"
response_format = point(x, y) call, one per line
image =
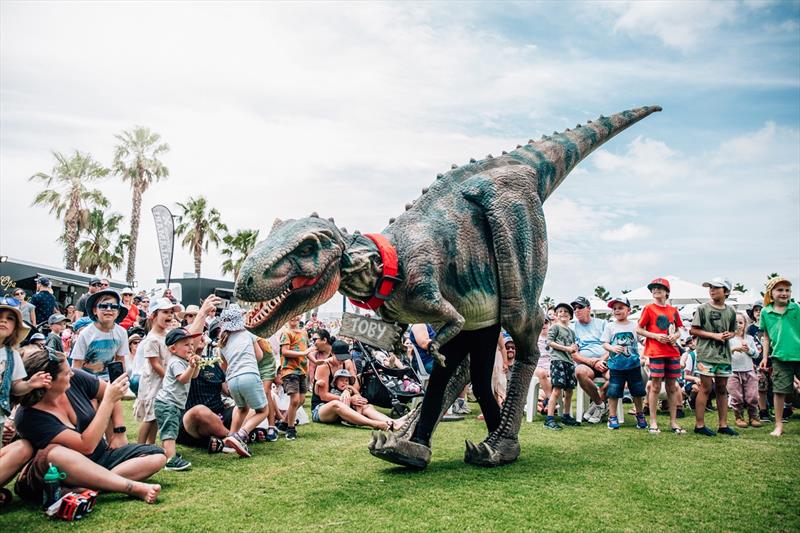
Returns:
point(92, 300)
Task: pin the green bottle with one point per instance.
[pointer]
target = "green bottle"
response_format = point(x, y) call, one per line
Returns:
point(52, 486)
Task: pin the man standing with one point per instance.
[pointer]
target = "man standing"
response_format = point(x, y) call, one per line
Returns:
point(588, 359)
point(43, 300)
point(80, 308)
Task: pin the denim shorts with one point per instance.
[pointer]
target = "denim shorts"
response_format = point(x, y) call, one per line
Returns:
point(631, 376)
point(247, 390)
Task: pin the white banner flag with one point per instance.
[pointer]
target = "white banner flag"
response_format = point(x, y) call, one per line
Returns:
point(165, 232)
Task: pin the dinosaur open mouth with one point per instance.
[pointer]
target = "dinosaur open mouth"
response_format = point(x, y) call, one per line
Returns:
point(263, 311)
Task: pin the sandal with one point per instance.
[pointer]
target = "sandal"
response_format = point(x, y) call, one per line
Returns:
point(258, 435)
point(653, 430)
point(5, 497)
point(678, 430)
point(215, 445)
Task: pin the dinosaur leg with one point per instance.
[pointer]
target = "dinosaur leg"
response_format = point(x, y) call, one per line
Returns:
point(398, 447)
point(483, 346)
point(502, 445)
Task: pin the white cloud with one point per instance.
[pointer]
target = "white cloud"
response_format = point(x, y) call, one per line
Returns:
point(626, 232)
point(680, 25)
point(649, 162)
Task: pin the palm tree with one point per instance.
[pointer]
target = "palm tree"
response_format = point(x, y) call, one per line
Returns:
point(136, 160)
point(601, 293)
point(69, 198)
point(740, 287)
point(103, 248)
point(240, 244)
point(547, 302)
point(199, 226)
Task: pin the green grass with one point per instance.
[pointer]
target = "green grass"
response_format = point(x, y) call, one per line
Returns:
point(579, 479)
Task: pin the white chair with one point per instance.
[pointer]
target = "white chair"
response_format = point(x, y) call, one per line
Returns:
point(533, 399)
point(582, 397)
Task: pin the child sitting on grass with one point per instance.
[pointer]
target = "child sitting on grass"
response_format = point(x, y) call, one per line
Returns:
point(622, 344)
point(170, 402)
point(561, 339)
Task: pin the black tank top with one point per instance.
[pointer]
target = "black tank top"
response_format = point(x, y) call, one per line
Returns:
point(315, 399)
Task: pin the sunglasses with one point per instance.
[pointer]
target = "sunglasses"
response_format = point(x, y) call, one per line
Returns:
point(96, 285)
point(108, 306)
point(104, 284)
point(578, 307)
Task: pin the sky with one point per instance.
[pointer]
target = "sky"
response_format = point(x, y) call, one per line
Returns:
point(350, 109)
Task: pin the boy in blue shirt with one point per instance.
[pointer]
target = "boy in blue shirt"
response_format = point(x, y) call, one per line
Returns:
point(622, 343)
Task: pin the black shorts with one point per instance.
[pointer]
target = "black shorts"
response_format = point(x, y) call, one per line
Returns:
point(186, 439)
point(295, 384)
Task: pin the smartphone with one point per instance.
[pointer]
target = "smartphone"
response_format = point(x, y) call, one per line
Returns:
point(223, 296)
point(115, 370)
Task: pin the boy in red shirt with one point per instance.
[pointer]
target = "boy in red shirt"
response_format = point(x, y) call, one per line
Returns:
point(660, 324)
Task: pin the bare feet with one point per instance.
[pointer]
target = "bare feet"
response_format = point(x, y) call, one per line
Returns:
point(777, 432)
point(146, 491)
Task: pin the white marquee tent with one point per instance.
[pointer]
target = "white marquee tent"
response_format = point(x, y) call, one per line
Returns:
point(681, 293)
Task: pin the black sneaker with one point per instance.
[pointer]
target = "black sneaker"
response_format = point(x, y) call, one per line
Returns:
point(765, 416)
point(705, 431)
point(727, 431)
point(291, 433)
point(551, 423)
point(567, 420)
point(680, 414)
point(281, 426)
point(177, 463)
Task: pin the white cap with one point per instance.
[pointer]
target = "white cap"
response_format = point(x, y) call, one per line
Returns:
point(719, 282)
point(163, 303)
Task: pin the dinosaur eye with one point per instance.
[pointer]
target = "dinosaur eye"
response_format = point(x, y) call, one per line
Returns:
point(306, 250)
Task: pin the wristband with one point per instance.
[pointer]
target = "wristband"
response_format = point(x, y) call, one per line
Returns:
point(120, 429)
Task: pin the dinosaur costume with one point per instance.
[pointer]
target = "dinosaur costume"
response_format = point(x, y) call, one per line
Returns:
point(471, 255)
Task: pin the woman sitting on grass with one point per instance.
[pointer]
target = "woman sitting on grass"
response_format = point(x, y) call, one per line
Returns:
point(63, 426)
point(336, 397)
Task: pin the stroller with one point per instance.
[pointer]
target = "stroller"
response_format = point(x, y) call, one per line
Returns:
point(387, 387)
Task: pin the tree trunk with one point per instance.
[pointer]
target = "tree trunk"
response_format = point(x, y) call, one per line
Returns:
point(71, 231)
point(198, 258)
point(136, 211)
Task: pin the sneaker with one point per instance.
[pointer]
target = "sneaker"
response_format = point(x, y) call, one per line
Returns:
point(460, 407)
point(590, 411)
point(613, 422)
point(567, 420)
point(177, 463)
point(551, 423)
point(291, 433)
point(641, 422)
point(272, 434)
point(764, 416)
point(235, 441)
point(599, 411)
point(728, 431)
point(281, 426)
point(705, 431)
point(740, 423)
point(756, 423)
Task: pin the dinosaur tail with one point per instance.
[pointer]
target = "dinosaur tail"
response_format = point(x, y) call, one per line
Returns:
point(554, 156)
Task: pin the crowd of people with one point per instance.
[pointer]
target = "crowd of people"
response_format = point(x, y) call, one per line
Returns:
point(200, 379)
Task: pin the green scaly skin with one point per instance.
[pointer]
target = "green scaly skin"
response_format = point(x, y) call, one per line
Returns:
point(472, 251)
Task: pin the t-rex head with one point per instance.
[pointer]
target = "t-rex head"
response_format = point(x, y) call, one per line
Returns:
point(294, 270)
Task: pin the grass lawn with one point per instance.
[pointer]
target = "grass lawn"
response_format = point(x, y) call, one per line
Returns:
point(581, 479)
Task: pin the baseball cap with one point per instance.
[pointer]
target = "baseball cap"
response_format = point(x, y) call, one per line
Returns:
point(719, 282)
point(163, 303)
point(566, 306)
point(81, 323)
point(178, 334)
point(619, 300)
point(45, 282)
point(95, 281)
point(37, 337)
point(659, 282)
point(341, 350)
point(580, 300)
point(344, 373)
point(55, 318)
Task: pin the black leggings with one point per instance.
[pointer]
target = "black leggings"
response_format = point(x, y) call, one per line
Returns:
point(480, 345)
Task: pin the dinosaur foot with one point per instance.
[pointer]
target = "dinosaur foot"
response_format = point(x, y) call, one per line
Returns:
point(506, 451)
point(389, 447)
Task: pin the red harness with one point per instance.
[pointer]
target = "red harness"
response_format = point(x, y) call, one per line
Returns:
point(388, 279)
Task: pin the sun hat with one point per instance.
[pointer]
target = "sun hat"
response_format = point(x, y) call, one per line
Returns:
point(720, 283)
point(178, 334)
point(566, 306)
point(81, 323)
point(751, 310)
point(659, 282)
point(619, 300)
point(190, 310)
point(92, 300)
point(580, 300)
point(134, 337)
point(771, 284)
point(344, 373)
point(127, 290)
point(232, 318)
point(22, 329)
point(341, 350)
point(161, 304)
point(55, 318)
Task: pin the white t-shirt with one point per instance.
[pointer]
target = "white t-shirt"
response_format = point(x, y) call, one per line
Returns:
point(97, 348)
point(153, 345)
point(19, 366)
point(240, 354)
point(742, 361)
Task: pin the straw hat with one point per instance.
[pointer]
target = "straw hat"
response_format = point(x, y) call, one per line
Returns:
point(22, 329)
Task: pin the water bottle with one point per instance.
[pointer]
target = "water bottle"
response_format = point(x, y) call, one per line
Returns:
point(52, 486)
